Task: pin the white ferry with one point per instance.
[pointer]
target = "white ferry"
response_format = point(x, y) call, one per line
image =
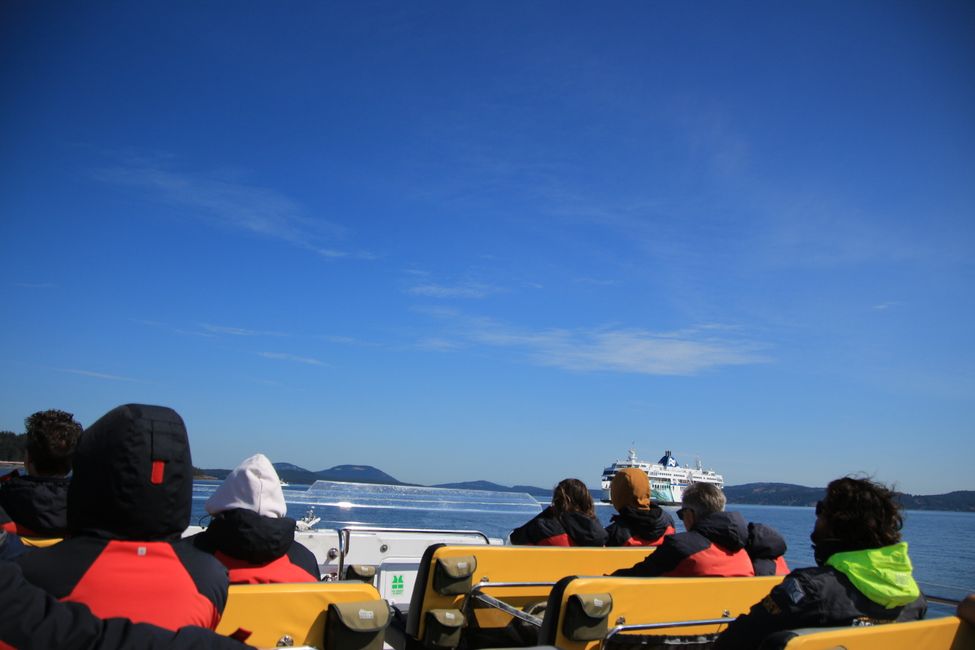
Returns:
point(667, 478)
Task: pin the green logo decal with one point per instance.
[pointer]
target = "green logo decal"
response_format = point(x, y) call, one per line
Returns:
point(397, 585)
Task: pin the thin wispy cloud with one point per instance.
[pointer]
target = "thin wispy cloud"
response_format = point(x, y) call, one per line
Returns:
point(884, 306)
point(231, 203)
point(439, 344)
point(98, 375)
point(238, 331)
point(349, 340)
point(641, 351)
point(613, 349)
point(171, 328)
point(469, 290)
point(284, 356)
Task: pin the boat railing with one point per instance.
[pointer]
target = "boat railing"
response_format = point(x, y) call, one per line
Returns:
point(345, 537)
point(638, 627)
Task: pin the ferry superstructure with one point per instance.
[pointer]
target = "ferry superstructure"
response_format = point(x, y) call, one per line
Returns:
point(667, 478)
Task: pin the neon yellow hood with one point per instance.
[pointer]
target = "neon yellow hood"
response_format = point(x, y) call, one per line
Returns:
point(881, 574)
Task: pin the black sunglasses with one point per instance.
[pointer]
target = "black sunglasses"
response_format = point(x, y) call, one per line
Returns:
point(680, 513)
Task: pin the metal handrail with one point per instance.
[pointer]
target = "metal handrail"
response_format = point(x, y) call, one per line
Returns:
point(478, 594)
point(658, 626)
point(345, 536)
point(491, 601)
point(489, 585)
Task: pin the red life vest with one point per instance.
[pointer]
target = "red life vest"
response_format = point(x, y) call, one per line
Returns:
point(714, 561)
point(639, 541)
point(145, 582)
point(281, 569)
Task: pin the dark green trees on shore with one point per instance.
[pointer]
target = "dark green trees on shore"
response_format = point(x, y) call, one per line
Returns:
point(12, 446)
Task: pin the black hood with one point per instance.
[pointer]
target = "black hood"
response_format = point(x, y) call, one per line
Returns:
point(729, 530)
point(133, 476)
point(245, 535)
point(764, 542)
point(583, 530)
point(37, 503)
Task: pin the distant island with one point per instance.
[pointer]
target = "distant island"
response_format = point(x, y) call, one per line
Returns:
point(773, 494)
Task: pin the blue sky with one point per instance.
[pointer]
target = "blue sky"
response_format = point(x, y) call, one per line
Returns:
point(500, 241)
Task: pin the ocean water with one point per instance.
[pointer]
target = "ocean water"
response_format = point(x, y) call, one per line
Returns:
point(939, 542)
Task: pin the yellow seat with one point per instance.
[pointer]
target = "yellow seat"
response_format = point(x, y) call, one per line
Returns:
point(271, 612)
point(948, 633)
point(507, 564)
point(639, 601)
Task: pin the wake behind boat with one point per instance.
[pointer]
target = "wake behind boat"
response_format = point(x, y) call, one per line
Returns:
point(667, 478)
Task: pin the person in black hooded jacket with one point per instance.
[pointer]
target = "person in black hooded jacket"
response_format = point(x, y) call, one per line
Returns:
point(766, 548)
point(638, 522)
point(37, 502)
point(569, 521)
point(250, 533)
point(714, 544)
point(128, 504)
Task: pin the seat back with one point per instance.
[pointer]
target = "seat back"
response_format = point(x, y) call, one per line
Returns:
point(271, 612)
point(948, 633)
point(581, 611)
point(519, 565)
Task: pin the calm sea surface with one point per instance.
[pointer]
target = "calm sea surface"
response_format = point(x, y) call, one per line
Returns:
point(940, 542)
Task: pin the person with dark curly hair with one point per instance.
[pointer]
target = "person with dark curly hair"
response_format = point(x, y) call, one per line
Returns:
point(37, 502)
point(863, 575)
point(570, 520)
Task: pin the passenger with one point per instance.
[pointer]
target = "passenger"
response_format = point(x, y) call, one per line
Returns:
point(640, 522)
point(714, 544)
point(31, 619)
point(569, 521)
point(766, 548)
point(250, 533)
point(128, 502)
point(38, 501)
point(863, 575)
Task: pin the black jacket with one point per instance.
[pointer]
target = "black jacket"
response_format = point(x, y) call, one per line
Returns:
point(716, 547)
point(37, 504)
point(766, 547)
point(256, 548)
point(634, 527)
point(32, 619)
point(128, 502)
point(568, 529)
point(813, 597)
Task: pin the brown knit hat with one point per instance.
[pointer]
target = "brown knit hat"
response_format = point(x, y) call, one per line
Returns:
point(630, 487)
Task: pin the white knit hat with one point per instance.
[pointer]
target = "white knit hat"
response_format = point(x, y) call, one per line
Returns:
point(252, 485)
